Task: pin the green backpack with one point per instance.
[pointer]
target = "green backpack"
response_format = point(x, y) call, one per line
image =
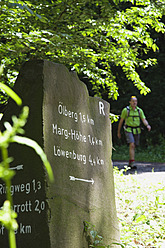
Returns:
point(133, 116)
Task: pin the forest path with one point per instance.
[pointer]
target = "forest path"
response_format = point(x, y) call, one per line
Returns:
point(142, 168)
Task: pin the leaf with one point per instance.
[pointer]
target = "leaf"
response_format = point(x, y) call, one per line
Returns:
point(7, 216)
point(154, 47)
point(31, 143)
point(115, 243)
point(113, 117)
point(140, 218)
point(11, 93)
point(1, 69)
point(93, 233)
point(6, 174)
point(28, 9)
point(42, 18)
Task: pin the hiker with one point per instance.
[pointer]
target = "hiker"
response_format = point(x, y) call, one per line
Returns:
point(132, 115)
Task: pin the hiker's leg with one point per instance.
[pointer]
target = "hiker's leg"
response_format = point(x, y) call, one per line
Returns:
point(132, 156)
point(132, 151)
point(131, 143)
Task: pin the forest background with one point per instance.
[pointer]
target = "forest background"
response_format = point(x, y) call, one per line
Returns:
point(116, 47)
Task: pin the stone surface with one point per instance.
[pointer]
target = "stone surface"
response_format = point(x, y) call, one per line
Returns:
point(75, 132)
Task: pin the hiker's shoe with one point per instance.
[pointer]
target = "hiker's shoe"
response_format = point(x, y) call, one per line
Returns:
point(132, 166)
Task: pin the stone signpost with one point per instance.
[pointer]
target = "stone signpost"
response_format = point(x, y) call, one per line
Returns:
point(75, 132)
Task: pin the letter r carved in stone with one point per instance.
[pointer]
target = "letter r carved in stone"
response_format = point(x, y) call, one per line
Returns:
point(101, 108)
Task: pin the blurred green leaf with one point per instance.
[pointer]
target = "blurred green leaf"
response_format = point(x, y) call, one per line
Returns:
point(6, 174)
point(38, 150)
point(7, 216)
point(11, 93)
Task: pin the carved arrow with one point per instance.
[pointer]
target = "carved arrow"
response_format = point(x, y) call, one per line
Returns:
point(83, 180)
point(18, 167)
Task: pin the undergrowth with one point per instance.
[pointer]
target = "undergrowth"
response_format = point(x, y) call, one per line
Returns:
point(140, 203)
point(150, 153)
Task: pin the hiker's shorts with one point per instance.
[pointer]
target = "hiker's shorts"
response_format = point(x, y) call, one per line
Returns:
point(132, 138)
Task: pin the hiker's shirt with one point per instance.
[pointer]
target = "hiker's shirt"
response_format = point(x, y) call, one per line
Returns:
point(132, 119)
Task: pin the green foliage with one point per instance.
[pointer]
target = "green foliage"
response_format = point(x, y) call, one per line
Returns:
point(140, 208)
point(113, 118)
point(7, 216)
point(148, 153)
point(11, 93)
point(94, 239)
point(87, 36)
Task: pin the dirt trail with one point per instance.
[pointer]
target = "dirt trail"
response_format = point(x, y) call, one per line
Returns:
point(144, 169)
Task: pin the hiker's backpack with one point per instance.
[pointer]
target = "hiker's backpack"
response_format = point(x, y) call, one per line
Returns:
point(128, 112)
point(133, 116)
